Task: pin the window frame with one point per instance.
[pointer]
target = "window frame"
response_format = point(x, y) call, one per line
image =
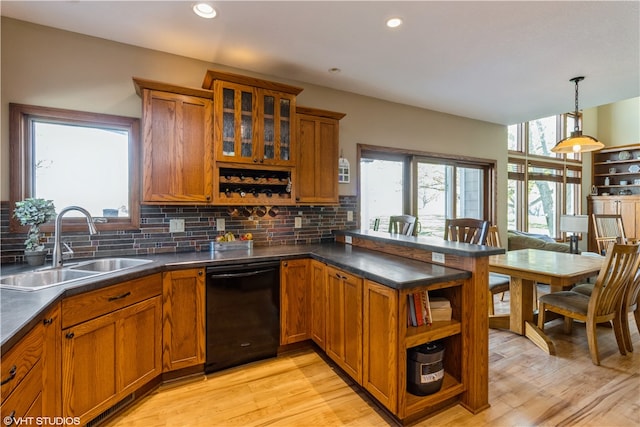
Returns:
point(21, 118)
point(412, 157)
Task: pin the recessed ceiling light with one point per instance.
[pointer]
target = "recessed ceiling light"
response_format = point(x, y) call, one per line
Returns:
point(204, 10)
point(394, 22)
point(334, 70)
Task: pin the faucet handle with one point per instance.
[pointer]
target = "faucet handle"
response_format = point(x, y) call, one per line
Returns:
point(68, 253)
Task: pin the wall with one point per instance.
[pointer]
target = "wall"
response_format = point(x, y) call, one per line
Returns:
point(48, 67)
point(619, 123)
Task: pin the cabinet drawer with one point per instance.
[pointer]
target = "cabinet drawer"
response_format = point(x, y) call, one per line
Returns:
point(93, 304)
point(25, 400)
point(18, 361)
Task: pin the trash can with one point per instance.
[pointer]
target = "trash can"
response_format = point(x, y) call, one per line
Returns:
point(425, 370)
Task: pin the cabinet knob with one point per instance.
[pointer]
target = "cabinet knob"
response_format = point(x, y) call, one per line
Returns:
point(47, 321)
point(255, 160)
point(285, 264)
point(12, 375)
point(70, 335)
point(200, 272)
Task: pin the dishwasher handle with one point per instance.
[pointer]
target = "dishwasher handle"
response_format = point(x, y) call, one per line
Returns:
point(240, 274)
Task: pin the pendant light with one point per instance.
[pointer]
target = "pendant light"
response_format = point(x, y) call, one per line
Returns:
point(577, 142)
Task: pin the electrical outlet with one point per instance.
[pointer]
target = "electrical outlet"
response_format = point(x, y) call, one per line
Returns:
point(220, 224)
point(348, 240)
point(176, 225)
point(349, 215)
point(437, 257)
point(298, 222)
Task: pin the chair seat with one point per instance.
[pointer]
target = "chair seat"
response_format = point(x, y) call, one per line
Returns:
point(584, 289)
point(499, 283)
point(567, 300)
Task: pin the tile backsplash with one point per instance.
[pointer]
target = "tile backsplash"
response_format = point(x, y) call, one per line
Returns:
point(154, 237)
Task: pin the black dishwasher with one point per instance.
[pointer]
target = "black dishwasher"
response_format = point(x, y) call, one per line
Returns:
point(243, 314)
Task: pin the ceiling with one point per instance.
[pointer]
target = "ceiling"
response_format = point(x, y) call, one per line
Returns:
point(503, 62)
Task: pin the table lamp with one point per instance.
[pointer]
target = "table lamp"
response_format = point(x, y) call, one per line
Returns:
point(574, 224)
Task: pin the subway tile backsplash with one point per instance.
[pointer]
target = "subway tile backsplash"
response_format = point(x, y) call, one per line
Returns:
point(153, 236)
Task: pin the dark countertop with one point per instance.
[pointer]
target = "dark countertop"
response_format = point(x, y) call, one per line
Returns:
point(431, 244)
point(20, 310)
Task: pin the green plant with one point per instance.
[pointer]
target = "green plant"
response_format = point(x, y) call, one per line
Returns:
point(34, 212)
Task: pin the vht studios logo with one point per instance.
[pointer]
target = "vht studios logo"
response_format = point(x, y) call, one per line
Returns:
point(41, 421)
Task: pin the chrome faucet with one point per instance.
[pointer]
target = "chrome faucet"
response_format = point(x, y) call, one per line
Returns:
point(58, 254)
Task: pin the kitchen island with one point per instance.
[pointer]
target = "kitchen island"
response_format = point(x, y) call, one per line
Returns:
point(396, 265)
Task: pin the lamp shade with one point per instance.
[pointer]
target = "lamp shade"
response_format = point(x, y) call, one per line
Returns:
point(574, 223)
point(577, 143)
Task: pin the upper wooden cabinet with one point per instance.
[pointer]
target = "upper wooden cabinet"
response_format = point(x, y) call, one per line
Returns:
point(177, 153)
point(318, 147)
point(254, 119)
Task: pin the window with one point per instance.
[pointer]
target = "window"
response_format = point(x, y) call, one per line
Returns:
point(542, 185)
point(76, 158)
point(431, 187)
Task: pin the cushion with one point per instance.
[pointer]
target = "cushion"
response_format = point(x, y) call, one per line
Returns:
point(518, 240)
point(584, 289)
point(569, 300)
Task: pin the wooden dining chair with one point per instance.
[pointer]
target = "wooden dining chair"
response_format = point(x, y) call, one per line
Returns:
point(619, 268)
point(402, 224)
point(467, 230)
point(607, 228)
point(498, 283)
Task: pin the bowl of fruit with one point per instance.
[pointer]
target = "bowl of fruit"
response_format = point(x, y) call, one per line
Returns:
point(229, 241)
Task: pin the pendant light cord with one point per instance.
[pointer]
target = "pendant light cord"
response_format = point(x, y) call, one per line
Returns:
point(577, 118)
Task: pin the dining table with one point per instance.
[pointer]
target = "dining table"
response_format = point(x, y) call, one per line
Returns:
point(527, 267)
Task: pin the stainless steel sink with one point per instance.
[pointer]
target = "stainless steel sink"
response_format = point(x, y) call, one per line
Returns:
point(35, 280)
point(107, 265)
point(41, 279)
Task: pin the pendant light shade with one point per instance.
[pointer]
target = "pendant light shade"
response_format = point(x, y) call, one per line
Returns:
point(577, 142)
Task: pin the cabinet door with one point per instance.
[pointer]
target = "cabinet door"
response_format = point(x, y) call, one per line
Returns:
point(344, 321)
point(317, 159)
point(275, 142)
point(106, 358)
point(318, 303)
point(234, 133)
point(177, 148)
point(139, 335)
point(630, 212)
point(89, 367)
point(380, 343)
point(51, 362)
point(294, 301)
point(183, 319)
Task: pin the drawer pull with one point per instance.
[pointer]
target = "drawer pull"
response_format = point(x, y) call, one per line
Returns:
point(48, 321)
point(70, 335)
point(126, 294)
point(12, 375)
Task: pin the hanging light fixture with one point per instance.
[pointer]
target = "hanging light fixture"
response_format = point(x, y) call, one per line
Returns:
point(577, 142)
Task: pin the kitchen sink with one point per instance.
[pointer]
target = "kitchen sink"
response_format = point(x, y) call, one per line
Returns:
point(41, 279)
point(107, 265)
point(35, 280)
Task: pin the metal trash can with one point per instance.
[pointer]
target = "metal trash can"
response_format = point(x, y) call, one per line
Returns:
point(425, 370)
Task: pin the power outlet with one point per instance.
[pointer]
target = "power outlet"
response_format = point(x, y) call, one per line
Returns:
point(437, 257)
point(176, 225)
point(349, 215)
point(298, 222)
point(220, 224)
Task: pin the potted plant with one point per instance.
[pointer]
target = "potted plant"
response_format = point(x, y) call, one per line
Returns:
point(34, 212)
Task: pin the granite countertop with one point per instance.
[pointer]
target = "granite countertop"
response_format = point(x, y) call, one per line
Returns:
point(20, 310)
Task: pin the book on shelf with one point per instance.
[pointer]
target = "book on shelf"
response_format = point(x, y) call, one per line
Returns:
point(424, 310)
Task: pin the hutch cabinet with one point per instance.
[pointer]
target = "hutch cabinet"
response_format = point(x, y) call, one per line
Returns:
point(616, 180)
point(318, 147)
point(177, 143)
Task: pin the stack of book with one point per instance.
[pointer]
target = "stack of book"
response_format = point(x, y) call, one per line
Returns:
point(424, 311)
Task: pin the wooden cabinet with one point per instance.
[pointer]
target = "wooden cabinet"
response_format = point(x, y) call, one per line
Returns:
point(295, 292)
point(318, 303)
point(177, 155)
point(254, 119)
point(616, 170)
point(108, 354)
point(380, 343)
point(344, 321)
point(183, 319)
point(31, 372)
point(318, 148)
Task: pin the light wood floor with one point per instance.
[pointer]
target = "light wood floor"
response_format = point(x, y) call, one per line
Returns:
point(526, 388)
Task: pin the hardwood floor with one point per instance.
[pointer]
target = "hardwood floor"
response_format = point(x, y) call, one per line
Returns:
point(527, 388)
